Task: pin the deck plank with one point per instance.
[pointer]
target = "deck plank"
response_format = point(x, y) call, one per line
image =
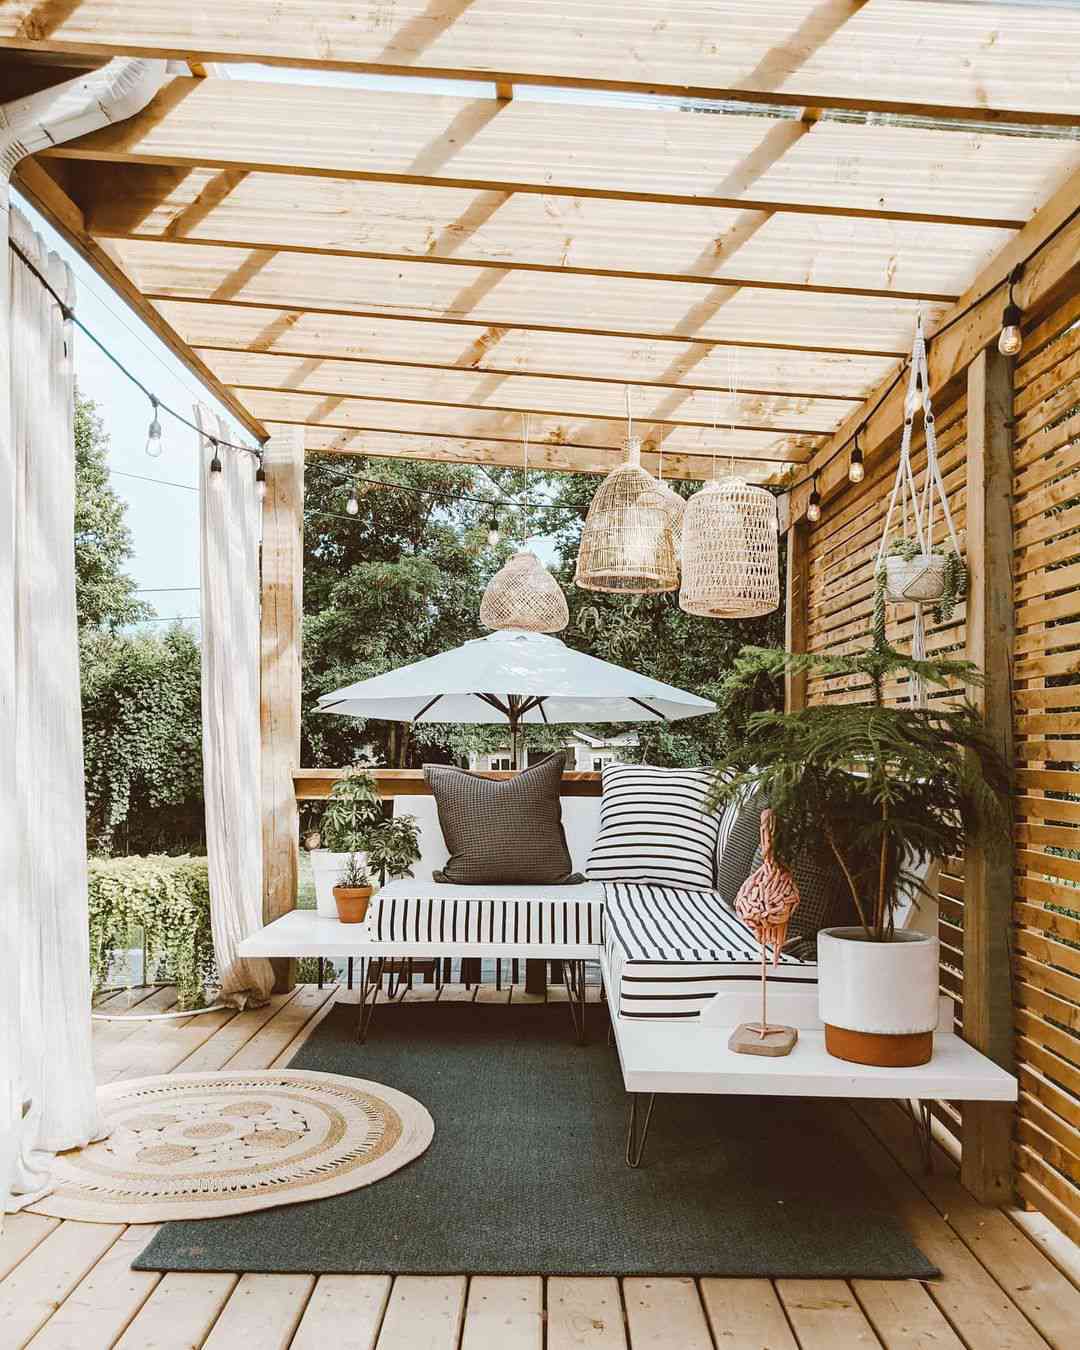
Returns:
point(504, 1313)
point(1027, 1275)
point(904, 1315)
point(215, 1053)
point(263, 1311)
point(425, 1312)
point(825, 1315)
point(180, 1312)
point(584, 1312)
point(746, 1315)
point(344, 1312)
point(43, 1280)
point(98, 1310)
point(307, 1030)
point(20, 1235)
point(269, 1041)
point(663, 1313)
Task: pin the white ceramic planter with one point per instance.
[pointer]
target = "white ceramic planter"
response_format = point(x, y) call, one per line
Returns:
point(326, 868)
point(921, 579)
point(878, 990)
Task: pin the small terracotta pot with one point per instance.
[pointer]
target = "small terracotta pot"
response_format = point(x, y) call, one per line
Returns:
point(352, 902)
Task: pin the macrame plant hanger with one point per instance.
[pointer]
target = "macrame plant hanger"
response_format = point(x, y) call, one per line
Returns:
point(920, 581)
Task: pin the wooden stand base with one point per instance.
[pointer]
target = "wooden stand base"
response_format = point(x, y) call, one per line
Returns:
point(887, 1052)
point(747, 1039)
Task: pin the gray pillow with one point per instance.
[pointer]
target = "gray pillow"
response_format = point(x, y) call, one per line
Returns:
point(824, 900)
point(503, 831)
point(736, 862)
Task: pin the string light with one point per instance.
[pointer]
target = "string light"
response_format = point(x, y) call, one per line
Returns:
point(1011, 339)
point(813, 506)
point(856, 469)
point(493, 535)
point(353, 504)
point(215, 465)
point(260, 482)
point(153, 432)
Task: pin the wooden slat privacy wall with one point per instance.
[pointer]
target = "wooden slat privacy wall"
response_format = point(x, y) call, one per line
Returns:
point(1045, 929)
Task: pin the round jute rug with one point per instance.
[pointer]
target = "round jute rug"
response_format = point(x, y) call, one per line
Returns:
point(200, 1145)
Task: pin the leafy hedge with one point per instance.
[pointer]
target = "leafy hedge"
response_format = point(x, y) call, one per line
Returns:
point(168, 899)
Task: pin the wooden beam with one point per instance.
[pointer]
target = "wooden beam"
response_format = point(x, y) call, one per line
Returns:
point(496, 351)
point(989, 63)
point(1051, 244)
point(986, 1159)
point(508, 454)
point(579, 236)
point(581, 150)
point(796, 614)
point(46, 194)
point(315, 785)
point(280, 652)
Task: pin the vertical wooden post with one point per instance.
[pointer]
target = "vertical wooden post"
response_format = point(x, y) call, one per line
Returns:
point(986, 1163)
point(797, 616)
point(282, 612)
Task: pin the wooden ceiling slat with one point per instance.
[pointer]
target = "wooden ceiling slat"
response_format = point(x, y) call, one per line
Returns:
point(508, 299)
point(561, 149)
point(934, 58)
point(484, 424)
point(507, 454)
point(410, 343)
point(525, 230)
point(519, 393)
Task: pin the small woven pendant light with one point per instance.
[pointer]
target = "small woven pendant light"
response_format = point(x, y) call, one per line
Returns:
point(673, 504)
point(523, 593)
point(730, 552)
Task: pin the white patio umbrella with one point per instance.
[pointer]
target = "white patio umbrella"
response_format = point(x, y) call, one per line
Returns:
point(518, 677)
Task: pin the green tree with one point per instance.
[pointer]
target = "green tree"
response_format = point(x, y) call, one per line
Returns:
point(104, 593)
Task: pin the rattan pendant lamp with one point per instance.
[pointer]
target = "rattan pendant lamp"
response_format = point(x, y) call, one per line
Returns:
point(730, 550)
point(628, 543)
point(523, 593)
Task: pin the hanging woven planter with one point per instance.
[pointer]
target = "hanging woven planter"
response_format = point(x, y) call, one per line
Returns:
point(524, 594)
point(628, 543)
point(730, 552)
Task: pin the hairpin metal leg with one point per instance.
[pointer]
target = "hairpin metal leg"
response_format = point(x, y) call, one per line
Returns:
point(573, 977)
point(370, 984)
point(638, 1131)
point(922, 1123)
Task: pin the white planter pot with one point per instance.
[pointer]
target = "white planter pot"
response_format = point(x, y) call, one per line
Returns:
point(921, 579)
point(878, 1000)
point(326, 868)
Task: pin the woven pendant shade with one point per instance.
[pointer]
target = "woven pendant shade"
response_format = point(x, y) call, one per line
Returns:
point(730, 552)
point(628, 543)
point(676, 509)
point(524, 594)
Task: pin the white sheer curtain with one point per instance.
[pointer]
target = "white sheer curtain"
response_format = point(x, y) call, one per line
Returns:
point(46, 955)
point(230, 711)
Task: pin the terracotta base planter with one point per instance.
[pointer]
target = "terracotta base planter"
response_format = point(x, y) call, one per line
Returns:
point(352, 902)
point(878, 1000)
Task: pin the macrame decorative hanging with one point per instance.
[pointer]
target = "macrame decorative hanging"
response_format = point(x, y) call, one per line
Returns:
point(628, 543)
point(523, 593)
point(730, 552)
point(910, 569)
point(730, 548)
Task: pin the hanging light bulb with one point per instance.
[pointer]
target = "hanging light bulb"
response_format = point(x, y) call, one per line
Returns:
point(856, 471)
point(813, 506)
point(153, 433)
point(260, 482)
point(215, 466)
point(1011, 339)
point(353, 504)
point(493, 535)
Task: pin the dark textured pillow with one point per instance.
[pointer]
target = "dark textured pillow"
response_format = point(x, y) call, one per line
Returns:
point(824, 900)
point(503, 831)
point(736, 862)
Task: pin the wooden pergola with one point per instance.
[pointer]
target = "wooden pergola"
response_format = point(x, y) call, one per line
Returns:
point(671, 198)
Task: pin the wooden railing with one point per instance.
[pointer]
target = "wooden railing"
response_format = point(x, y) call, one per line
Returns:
point(316, 784)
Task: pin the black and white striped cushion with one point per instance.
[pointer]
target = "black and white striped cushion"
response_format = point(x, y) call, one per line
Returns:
point(670, 951)
point(509, 916)
point(654, 827)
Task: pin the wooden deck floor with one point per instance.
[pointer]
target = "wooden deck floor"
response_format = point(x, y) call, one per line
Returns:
point(66, 1284)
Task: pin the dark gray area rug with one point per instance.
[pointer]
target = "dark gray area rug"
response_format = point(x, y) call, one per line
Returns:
point(526, 1173)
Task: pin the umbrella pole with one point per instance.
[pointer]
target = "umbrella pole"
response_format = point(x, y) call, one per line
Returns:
point(535, 971)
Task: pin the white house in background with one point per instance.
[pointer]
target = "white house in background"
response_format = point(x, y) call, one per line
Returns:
point(584, 752)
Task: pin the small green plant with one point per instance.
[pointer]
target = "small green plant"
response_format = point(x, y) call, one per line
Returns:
point(353, 822)
point(353, 874)
point(956, 578)
point(885, 788)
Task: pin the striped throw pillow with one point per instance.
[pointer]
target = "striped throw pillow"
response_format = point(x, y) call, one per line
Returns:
point(655, 827)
